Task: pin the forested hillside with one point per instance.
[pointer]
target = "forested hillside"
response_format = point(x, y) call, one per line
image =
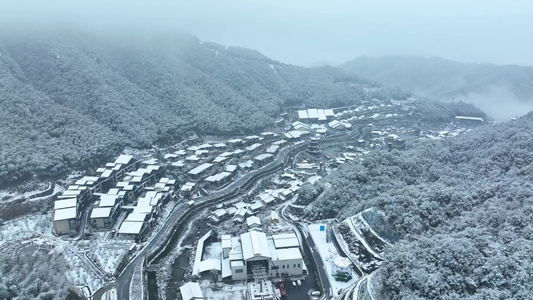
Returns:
point(70, 100)
point(34, 275)
point(461, 208)
point(442, 79)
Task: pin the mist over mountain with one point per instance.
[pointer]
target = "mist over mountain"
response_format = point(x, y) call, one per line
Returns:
point(71, 99)
point(502, 91)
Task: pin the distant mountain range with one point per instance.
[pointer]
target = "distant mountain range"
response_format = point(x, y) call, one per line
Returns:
point(70, 100)
point(443, 79)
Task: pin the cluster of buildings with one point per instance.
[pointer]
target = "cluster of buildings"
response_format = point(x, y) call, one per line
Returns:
point(142, 214)
point(254, 255)
point(69, 206)
point(125, 196)
point(315, 115)
point(243, 212)
point(213, 165)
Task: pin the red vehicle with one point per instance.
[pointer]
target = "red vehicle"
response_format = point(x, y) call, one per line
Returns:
point(282, 290)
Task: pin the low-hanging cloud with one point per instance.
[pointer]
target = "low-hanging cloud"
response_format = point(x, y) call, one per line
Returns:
point(499, 103)
point(306, 32)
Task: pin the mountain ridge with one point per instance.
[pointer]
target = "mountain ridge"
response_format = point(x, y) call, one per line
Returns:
point(72, 99)
point(443, 79)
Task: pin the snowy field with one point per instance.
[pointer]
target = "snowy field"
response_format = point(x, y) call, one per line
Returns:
point(222, 291)
point(79, 274)
point(328, 252)
point(212, 251)
point(106, 253)
point(25, 228)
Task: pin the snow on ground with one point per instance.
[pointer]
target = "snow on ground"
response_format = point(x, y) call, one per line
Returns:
point(212, 251)
point(328, 252)
point(221, 291)
point(25, 228)
point(79, 273)
point(108, 254)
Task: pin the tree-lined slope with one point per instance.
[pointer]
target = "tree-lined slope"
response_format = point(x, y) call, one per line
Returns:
point(71, 99)
point(462, 209)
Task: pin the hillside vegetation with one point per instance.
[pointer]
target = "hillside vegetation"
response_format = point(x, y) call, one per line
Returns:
point(71, 100)
point(442, 79)
point(461, 209)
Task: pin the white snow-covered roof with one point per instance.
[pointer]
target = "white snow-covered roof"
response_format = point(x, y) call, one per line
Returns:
point(200, 169)
point(201, 152)
point(190, 291)
point(179, 163)
point(321, 115)
point(143, 210)
point(329, 112)
point(209, 264)
point(219, 145)
point(226, 241)
point(124, 159)
point(246, 164)
point(299, 126)
point(254, 244)
point(128, 227)
point(66, 203)
point(302, 114)
point(226, 268)
point(106, 173)
point(469, 118)
point(170, 155)
point(253, 147)
point(272, 149)
point(192, 158)
point(71, 193)
point(274, 215)
point(205, 146)
point(231, 168)
point(220, 213)
point(268, 200)
point(238, 151)
point(285, 240)
point(151, 161)
point(181, 152)
point(65, 214)
point(253, 221)
point(293, 134)
point(136, 217)
point(335, 124)
point(236, 263)
point(107, 200)
point(256, 205)
point(263, 156)
point(187, 187)
point(288, 253)
point(100, 212)
point(240, 205)
point(217, 177)
point(219, 159)
point(312, 113)
point(233, 141)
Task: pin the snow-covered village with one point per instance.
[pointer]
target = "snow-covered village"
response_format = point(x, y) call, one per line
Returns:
point(266, 150)
point(214, 218)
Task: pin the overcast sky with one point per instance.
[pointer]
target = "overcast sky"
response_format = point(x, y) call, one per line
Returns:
point(307, 32)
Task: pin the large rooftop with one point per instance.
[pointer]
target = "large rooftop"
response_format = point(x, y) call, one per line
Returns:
point(254, 244)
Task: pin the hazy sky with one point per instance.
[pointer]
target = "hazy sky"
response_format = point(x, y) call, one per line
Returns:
point(306, 32)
